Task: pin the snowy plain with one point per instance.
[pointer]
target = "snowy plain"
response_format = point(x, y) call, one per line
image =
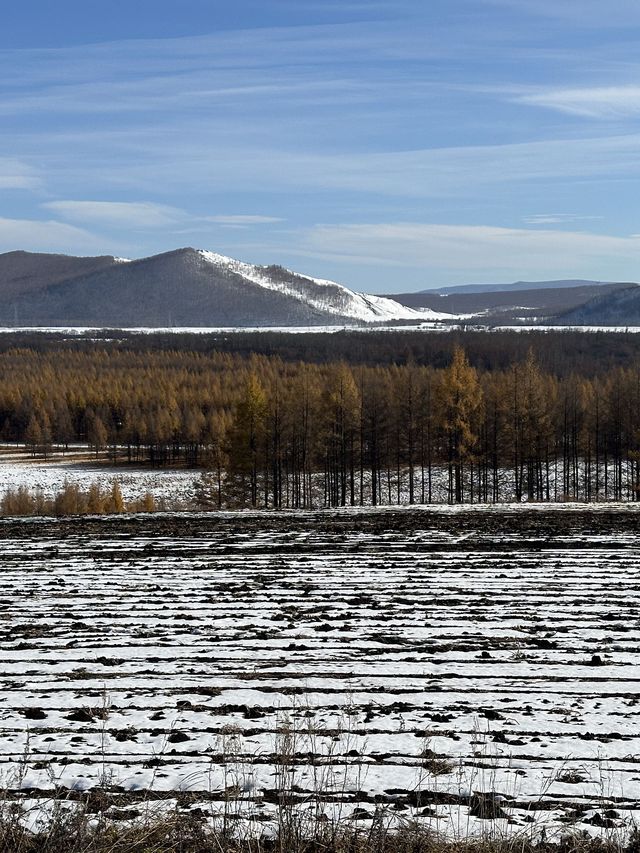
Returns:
point(414, 659)
point(427, 324)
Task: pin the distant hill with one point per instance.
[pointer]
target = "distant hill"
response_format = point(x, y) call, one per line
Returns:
point(185, 287)
point(26, 272)
point(508, 305)
point(620, 308)
point(515, 285)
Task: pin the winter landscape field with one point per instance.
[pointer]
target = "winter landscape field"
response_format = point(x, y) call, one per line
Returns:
point(474, 670)
point(320, 426)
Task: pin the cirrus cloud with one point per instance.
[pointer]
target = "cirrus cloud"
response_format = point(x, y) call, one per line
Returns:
point(15, 175)
point(460, 250)
point(148, 215)
point(127, 214)
point(599, 102)
point(48, 236)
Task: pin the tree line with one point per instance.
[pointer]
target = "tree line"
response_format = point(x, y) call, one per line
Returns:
point(268, 432)
point(561, 352)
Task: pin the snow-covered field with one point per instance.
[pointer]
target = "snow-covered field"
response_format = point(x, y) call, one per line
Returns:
point(87, 331)
point(18, 468)
point(440, 665)
point(427, 323)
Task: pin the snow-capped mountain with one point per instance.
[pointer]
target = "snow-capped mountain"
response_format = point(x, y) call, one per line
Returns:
point(320, 294)
point(185, 287)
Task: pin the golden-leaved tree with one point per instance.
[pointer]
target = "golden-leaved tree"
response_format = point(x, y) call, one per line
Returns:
point(246, 450)
point(460, 403)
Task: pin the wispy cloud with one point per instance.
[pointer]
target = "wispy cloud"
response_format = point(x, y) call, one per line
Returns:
point(242, 220)
point(180, 163)
point(183, 94)
point(328, 106)
point(15, 175)
point(121, 214)
point(463, 249)
point(383, 62)
point(600, 102)
point(557, 218)
point(229, 59)
point(579, 13)
point(149, 215)
point(48, 236)
point(199, 164)
point(366, 7)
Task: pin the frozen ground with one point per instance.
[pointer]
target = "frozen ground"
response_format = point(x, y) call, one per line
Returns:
point(470, 669)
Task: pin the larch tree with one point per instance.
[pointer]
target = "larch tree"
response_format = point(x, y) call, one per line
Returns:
point(97, 435)
point(341, 413)
point(460, 400)
point(537, 399)
point(246, 442)
point(33, 434)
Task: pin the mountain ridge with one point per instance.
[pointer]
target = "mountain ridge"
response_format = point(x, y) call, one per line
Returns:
point(620, 308)
point(513, 286)
point(189, 287)
point(181, 287)
point(502, 306)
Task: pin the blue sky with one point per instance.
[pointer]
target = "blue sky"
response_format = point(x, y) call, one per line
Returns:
point(388, 145)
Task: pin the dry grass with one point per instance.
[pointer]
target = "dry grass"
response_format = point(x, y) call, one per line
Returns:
point(84, 832)
point(71, 500)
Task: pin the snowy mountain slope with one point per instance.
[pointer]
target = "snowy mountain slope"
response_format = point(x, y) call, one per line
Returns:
point(322, 294)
